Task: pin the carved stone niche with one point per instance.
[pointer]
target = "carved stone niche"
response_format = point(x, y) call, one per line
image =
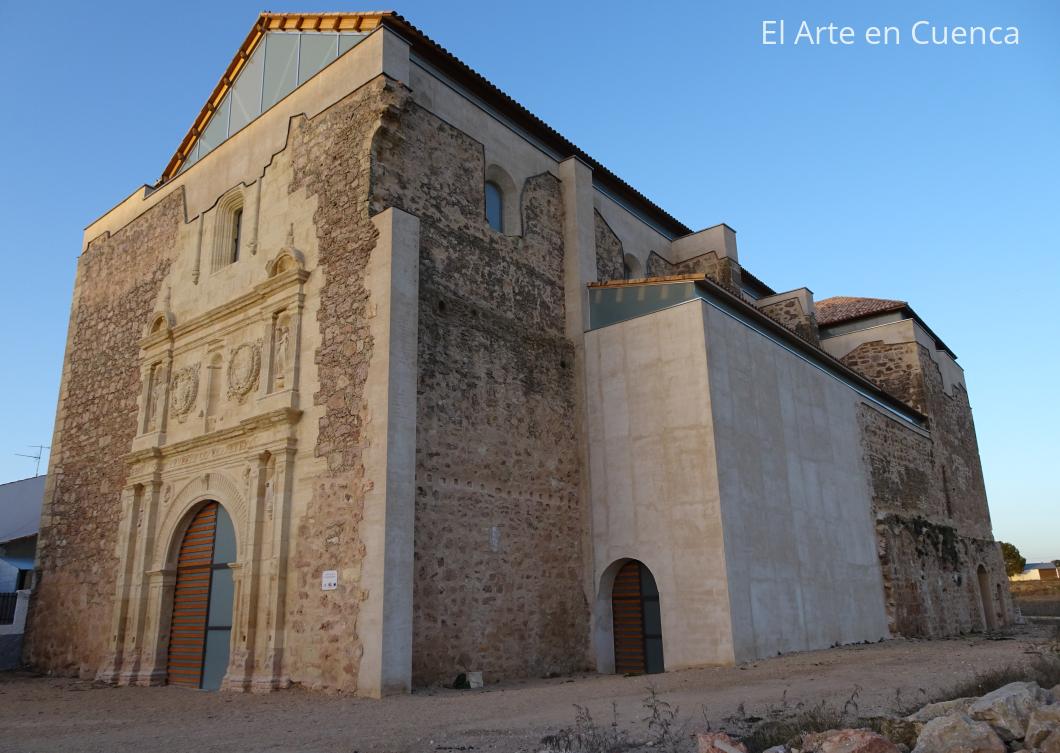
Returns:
point(282, 311)
point(156, 358)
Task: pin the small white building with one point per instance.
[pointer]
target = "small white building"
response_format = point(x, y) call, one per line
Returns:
point(1037, 571)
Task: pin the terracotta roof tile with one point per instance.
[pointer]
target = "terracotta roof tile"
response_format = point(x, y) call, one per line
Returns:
point(842, 308)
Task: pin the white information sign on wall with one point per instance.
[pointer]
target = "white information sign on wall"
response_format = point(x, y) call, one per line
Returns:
point(329, 581)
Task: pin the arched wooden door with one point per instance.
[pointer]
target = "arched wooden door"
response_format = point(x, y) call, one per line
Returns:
point(637, 621)
point(201, 629)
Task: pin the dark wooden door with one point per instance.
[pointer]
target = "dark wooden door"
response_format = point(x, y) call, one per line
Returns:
point(191, 600)
point(636, 621)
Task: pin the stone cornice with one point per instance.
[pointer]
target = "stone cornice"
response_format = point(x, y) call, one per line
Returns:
point(252, 425)
point(262, 292)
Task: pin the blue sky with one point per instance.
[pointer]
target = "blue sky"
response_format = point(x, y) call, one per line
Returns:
point(926, 173)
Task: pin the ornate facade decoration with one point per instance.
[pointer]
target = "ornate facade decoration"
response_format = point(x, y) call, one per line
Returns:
point(243, 369)
point(281, 351)
point(184, 390)
point(157, 398)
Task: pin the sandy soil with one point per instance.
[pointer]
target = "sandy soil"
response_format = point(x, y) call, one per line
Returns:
point(53, 715)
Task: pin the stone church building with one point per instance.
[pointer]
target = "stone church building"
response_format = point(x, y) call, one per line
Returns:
point(385, 380)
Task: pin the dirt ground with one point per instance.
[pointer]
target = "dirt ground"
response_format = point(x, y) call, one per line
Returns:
point(53, 715)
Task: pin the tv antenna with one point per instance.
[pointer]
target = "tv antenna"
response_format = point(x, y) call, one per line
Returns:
point(40, 448)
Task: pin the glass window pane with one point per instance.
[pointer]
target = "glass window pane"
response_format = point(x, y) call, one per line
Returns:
point(246, 94)
point(348, 41)
point(217, 130)
point(224, 545)
point(653, 660)
point(647, 582)
point(494, 206)
point(192, 158)
point(317, 51)
point(215, 662)
point(652, 618)
point(281, 53)
point(222, 590)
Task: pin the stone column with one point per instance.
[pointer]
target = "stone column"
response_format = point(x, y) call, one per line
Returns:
point(248, 575)
point(138, 597)
point(384, 620)
point(237, 675)
point(131, 499)
point(160, 585)
point(278, 521)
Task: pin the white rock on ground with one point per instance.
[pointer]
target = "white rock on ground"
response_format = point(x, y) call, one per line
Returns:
point(1043, 730)
point(958, 733)
point(942, 708)
point(1009, 708)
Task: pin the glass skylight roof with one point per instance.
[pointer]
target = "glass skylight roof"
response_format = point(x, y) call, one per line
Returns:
point(282, 61)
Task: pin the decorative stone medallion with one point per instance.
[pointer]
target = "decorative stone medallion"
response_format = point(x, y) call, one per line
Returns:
point(183, 391)
point(243, 369)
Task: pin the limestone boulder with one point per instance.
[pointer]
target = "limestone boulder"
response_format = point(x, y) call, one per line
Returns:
point(718, 742)
point(1043, 730)
point(942, 708)
point(958, 733)
point(898, 731)
point(1009, 708)
point(847, 741)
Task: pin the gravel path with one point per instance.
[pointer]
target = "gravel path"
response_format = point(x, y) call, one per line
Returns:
point(53, 715)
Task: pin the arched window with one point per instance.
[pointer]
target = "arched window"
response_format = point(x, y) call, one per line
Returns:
point(237, 226)
point(228, 230)
point(502, 201)
point(494, 206)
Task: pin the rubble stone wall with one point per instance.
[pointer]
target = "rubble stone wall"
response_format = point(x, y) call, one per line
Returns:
point(791, 314)
point(498, 578)
point(609, 258)
point(118, 283)
point(720, 269)
point(331, 158)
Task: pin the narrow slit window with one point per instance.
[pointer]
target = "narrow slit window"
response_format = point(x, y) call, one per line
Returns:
point(494, 206)
point(237, 225)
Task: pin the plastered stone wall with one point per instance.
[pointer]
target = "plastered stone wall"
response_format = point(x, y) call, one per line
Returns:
point(498, 581)
point(118, 281)
point(609, 257)
point(331, 157)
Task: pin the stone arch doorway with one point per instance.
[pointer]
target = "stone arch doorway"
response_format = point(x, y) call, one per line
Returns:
point(986, 599)
point(201, 627)
point(637, 620)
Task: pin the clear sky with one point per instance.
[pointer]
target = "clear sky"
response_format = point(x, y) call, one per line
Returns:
point(926, 173)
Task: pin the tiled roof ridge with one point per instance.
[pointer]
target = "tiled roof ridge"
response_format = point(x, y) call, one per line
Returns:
point(842, 308)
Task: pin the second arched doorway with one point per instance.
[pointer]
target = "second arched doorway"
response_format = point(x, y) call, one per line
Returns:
point(201, 627)
point(986, 599)
point(637, 621)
